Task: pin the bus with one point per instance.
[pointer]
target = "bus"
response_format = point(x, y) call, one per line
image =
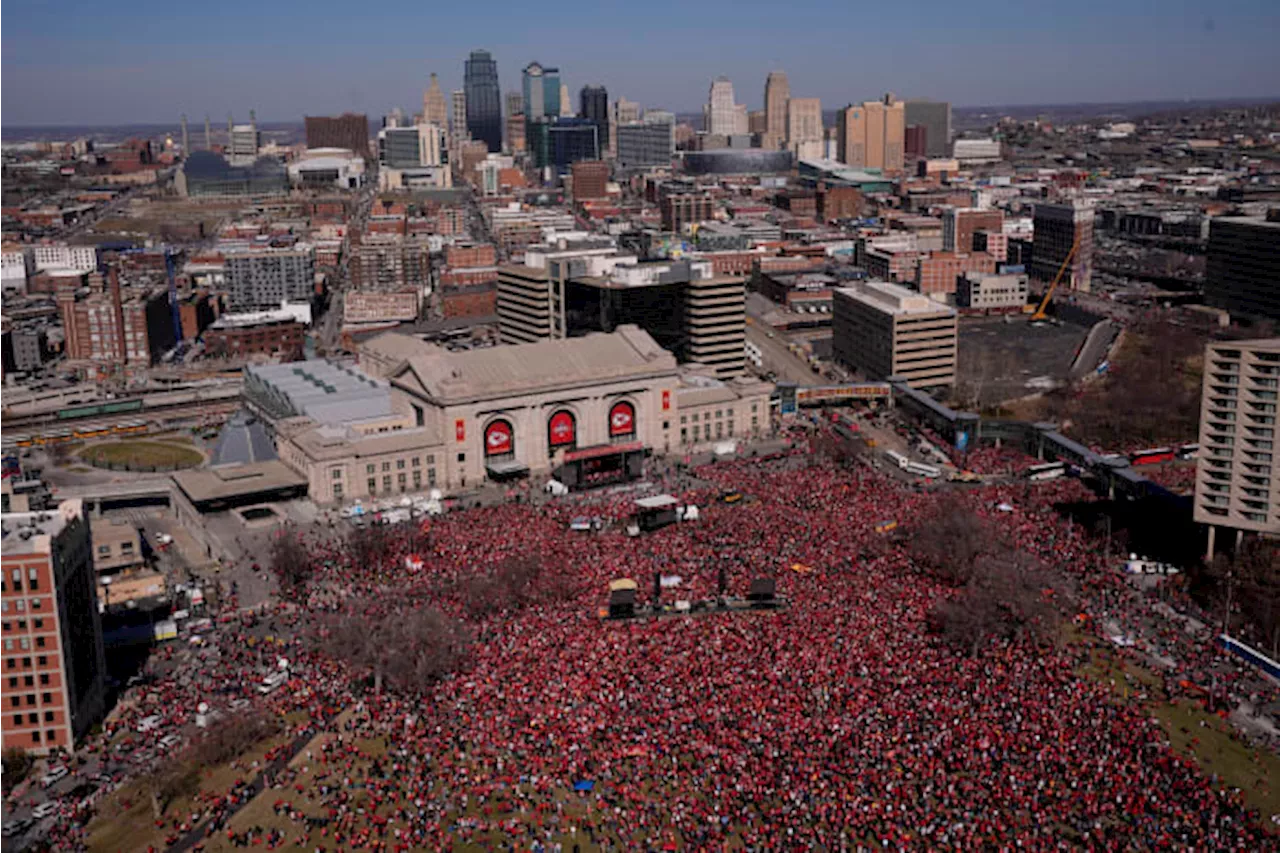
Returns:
point(1189, 451)
point(922, 470)
point(1151, 456)
point(1047, 471)
point(898, 459)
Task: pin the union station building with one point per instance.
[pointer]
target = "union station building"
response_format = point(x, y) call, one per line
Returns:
point(411, 416)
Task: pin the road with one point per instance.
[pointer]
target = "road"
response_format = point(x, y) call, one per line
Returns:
point(780, 360)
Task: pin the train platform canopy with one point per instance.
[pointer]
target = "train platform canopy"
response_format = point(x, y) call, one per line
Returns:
point(243, 439)
point(227, 486)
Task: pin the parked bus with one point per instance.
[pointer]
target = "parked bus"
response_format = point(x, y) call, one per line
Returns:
point(922, 470)
point(1189, 451)
point(898, 459)
point(1151, 456)
point(1047, 471)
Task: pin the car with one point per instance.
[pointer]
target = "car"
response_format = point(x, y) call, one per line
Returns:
point(54, 775)
point(168, 741)
point(17, 827)
point(45, 809)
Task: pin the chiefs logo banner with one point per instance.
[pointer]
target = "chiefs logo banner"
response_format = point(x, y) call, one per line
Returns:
point(460, 429)
point(562, 430)
point(497, 438)
point(622, 419)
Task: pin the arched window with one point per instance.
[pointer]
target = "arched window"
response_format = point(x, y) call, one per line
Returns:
point(499, 440)
point(622, 421)
point(562, 429)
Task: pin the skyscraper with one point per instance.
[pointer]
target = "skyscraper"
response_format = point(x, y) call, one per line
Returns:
point(515, 104)
point(722, 113)
point(594, 105)
point(871, 135)
point(777, 91)
point(622, 112)
point(804, 128)
point(566, 103)
point(1057, 227)
point(484, 99)
point(435, 110)
point(541, 87)
point(458, 119)
point(935, 117)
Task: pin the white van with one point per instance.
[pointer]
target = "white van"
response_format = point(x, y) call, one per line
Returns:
point(147, 724)
point(53, 776)
point(272, 682)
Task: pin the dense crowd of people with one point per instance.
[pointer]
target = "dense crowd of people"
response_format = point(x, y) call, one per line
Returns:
point(838, 720)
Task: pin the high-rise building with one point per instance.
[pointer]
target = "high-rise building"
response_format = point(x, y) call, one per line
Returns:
point(885, 330)
point(412, 147)
point(1238, 470)
point(647, 143)
point(483, 100)
point(458, 121)
point(683, 204)
point(52, 629)
point(916, 141)
point(1243, 273)
point(1057, 227)
point(349, 131)
point(116, 326)
point(514, 104)
point(594, 106)
point(777, 91)
point(871, 135)
point(541, 87)
point(516, 133)
point(935, 118)
point(721, 113)
point(244, 142)
point(757, 123)
point(804, 128)
point(622, 112)
point(435, 109)
point(566, 103)
point(560, 142)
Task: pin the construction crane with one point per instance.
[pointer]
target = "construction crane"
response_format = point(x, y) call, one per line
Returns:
point(1048, 294)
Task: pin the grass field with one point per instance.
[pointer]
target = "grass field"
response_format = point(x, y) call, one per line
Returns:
point(142, 454)
point(1205, 737)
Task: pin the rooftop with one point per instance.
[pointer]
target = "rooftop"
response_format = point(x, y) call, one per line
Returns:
point(322, 390)
point(237, 481)
point(456, 377)
point(34, 532)
point(893, 298)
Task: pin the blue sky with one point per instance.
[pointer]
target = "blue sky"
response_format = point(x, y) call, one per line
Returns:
point(76, 62)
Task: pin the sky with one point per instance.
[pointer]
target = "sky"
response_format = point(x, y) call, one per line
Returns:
point(74, 62)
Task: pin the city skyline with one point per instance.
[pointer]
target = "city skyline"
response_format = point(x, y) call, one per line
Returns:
point(97, 70)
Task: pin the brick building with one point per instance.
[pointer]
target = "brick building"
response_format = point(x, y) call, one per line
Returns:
point(268, 333)
point(54, 668)
point(938, 272)
point(470, 301)
point(368, 306)
point(838, 203)
point(349, 131)
point(590, 179)
point(470, 255)
point(390, 262)
point(959, 225)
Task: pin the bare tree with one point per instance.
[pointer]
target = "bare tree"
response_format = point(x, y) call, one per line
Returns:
point(949, 541)
point(233, 737)
point(176, 778)
point(369, 546)
point(404, 646)
point(1254, 575)
point(291, 563)
point(1008, 596)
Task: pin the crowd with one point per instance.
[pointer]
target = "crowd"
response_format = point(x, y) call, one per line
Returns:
point(838, 721)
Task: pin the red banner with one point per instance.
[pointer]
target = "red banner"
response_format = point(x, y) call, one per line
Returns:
point(666, 401)
point(622, 419)
point(562, 429)
point(497, 438)
point(460, 429)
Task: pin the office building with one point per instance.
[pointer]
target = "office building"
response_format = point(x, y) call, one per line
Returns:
point(689, 309)
point(976, 152)
point(263, 278)
point(1058, 227)
point(884, 330)
point(514, 104)
point(322, 168)
point(935, 118)
point(484, 100)
point(960, 224)
point(243, 141)
point(541, 91)
point(647, 143)
point(984, 291)
point(594, 106)
point(1243, 273)
point(777, 92)
point(722, 116)
point(273, 333)
point(412, 147)
point(54, 666)
point(390, 262)
point(804, 128)
point(915, 141)
point(560, 142)
point(349, 131)
point(590, 180)
point(872, 135)
point(937, 273)
point(1238, 472)
point(458, 118)
point(566, 103)
point(622, 112)
point(435, 109)
point(116, 326)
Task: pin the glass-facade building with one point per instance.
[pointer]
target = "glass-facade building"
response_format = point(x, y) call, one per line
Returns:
point(563, 141)
point(484, 99)
point(541, 91)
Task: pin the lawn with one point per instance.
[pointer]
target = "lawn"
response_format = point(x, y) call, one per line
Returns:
point(1192, 731)
point(142, 455)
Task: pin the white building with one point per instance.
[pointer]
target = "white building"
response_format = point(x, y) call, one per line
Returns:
point(982, 291)
point(972, 152)
point(63, 257)
point(722, 115)
point(325, 167)
point(16, 266)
